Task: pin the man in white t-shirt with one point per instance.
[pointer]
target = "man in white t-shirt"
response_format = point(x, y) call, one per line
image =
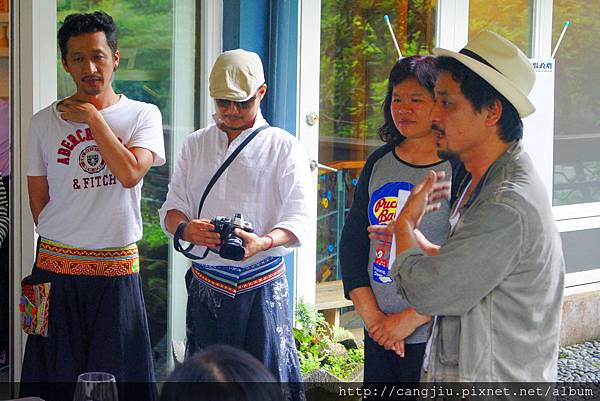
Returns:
point(83, 306)
point(240, 297)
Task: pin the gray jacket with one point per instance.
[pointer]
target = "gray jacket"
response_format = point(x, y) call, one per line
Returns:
point(496, 286)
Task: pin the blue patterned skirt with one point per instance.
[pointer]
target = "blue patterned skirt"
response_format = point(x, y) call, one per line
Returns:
point(256, 321)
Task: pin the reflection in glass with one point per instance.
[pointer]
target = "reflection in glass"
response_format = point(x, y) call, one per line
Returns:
point(357, 53)
point(511, 19)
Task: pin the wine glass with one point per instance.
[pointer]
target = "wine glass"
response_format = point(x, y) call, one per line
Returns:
point(96, 386)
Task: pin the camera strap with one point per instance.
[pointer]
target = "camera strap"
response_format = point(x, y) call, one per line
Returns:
point(179, 232)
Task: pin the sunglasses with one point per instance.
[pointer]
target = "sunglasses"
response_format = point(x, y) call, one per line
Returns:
point(224, 104)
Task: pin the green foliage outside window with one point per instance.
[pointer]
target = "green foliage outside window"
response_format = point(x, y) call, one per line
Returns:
point(357, 54)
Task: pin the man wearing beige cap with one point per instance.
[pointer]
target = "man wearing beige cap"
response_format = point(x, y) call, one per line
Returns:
point(496, 285)
point(237, 289)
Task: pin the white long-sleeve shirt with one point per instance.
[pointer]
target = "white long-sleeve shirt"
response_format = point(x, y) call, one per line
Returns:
point(268, 182)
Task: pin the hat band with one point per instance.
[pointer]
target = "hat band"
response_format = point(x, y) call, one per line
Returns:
point(477, 57)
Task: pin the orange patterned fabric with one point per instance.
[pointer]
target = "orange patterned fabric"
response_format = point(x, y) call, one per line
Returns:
point(63, 259)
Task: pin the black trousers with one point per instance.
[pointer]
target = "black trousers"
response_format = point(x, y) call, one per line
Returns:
point(94, 324)
point(383, 366)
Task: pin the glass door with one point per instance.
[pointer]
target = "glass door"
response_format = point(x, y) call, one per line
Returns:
point(353, 52)
point(356, 55)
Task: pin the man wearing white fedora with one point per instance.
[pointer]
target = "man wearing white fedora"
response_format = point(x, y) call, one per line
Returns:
point(496, 285)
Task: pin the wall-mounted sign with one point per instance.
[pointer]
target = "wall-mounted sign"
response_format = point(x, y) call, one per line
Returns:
point(538, 137)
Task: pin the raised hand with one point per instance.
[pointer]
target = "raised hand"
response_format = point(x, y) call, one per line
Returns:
point(425, 198)
point(76, 111)
point(381, 232)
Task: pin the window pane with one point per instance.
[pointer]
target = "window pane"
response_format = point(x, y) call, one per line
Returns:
point(511, 19)
point(145, 34)
point(579, 255)
point(357, 54)
point(576, 103)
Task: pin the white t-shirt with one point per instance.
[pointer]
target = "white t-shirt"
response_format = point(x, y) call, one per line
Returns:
point(88, 207)
point(269, 182)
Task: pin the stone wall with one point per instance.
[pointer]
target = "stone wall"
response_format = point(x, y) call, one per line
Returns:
point(581, 318)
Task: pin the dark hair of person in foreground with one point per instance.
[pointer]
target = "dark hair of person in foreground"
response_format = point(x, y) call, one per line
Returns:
point(78, 24)
point(221, 373)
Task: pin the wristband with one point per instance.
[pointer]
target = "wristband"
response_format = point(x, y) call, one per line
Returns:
point(179, 248)
point(271, 243)
point(179, 236)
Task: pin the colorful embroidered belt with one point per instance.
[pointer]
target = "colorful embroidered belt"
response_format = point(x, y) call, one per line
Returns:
point(64, 259)
point(231, 280)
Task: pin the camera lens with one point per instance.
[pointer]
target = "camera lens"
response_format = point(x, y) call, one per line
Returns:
point(232, 248)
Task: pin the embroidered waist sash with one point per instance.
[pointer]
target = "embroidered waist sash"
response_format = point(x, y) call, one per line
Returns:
point(231, 280)
point(64, 259)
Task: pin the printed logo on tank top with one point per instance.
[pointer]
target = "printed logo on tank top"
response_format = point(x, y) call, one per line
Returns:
point(382, 210)
point(89, 159)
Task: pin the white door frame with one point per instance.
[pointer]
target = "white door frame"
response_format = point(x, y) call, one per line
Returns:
point(182, 106)
point(309, 37)
point(33, 86)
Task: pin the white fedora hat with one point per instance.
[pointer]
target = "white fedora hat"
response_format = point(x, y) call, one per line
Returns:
point(501, 64)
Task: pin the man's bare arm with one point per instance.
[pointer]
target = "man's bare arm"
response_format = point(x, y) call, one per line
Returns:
point(129, 165)
point(39, 195)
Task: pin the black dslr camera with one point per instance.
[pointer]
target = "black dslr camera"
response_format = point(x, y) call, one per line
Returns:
point(232, 246)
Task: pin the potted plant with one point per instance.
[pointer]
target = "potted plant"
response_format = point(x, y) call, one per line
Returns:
point(328, 355)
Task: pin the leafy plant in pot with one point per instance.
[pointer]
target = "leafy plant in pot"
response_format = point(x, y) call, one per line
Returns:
point(326, 353)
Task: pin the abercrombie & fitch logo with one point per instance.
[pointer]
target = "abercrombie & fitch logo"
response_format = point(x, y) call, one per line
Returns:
point(90, 160)
point(68, 144)
point(97, 181)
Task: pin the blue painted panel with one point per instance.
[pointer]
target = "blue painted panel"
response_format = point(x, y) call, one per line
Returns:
point(254, 28)
point(231, 24)
point(282, 81)
point(284, 60)
point(246, 25)
point(270, 29)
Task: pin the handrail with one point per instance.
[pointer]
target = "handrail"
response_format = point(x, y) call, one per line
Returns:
point(347, 164)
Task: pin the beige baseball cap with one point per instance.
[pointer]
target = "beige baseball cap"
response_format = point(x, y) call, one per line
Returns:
point(236, 75)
